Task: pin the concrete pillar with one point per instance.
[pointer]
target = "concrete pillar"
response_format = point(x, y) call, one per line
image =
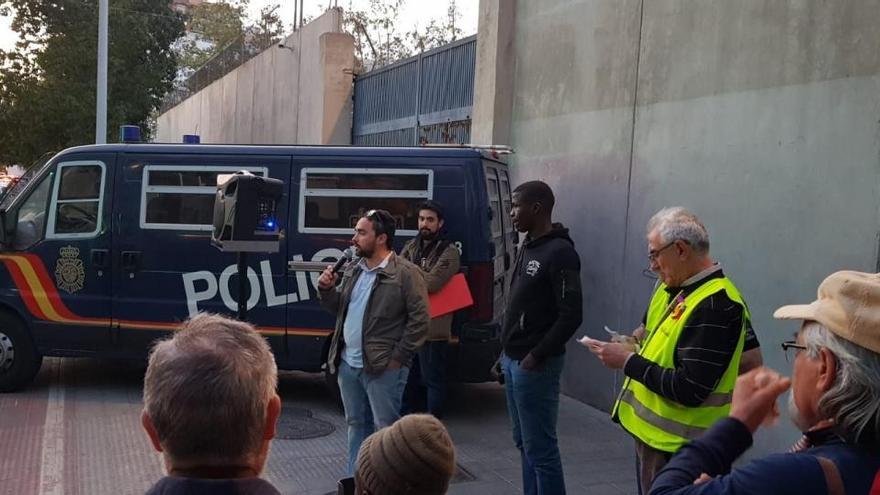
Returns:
point(285, 73)
point(226, 123)
point(244, 103)
point(299, 94)
point(494, 73)
point(337, 62)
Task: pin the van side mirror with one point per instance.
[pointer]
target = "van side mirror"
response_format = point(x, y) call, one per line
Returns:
point(8, 226)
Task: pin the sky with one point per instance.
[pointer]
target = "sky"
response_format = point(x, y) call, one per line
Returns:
point(7, 36)
point(414, 13)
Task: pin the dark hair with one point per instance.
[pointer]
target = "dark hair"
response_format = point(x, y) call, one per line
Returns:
point(383, 223)
point(536, 191)
point(433, 206)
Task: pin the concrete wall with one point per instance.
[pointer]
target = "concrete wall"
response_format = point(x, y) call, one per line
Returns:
point(762, 117)
point(300, 95)
point(493, 72)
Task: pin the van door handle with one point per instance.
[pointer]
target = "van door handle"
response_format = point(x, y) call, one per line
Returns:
point(131, 261)
point(506, 261)
point(99, 258)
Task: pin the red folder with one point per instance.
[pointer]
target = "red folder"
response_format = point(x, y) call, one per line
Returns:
point(452, 297)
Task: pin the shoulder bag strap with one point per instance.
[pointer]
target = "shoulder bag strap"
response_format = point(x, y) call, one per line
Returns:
point(832, 476)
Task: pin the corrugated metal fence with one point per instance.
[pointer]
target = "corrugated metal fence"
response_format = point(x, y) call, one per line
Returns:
point(423, 99)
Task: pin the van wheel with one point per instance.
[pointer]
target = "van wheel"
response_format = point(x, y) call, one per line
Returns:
point(19, 359)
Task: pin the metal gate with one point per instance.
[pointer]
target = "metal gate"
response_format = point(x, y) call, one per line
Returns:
point(424, 99)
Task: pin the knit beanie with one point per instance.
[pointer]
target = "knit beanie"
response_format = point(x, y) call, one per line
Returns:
point(413, 456)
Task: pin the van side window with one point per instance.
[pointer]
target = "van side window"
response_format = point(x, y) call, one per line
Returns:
point(75, 210)
point(506, 203)
point(494, 202)
point(332, 200)
point(32, 217)
point(177, 197)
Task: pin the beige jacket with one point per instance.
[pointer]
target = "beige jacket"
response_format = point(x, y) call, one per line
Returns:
point(437, 270)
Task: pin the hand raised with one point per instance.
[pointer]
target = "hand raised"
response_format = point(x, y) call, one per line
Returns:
point(755, 394)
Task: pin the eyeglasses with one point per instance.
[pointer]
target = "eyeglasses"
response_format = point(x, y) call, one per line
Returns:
point(791, 344)
point(653, 254)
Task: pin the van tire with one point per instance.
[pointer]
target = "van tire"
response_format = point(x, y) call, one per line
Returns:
point(20, 359)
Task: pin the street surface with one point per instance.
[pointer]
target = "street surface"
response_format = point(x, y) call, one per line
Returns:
point(76, 431)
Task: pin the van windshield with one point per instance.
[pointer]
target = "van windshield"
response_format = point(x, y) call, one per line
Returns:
point(8, 195)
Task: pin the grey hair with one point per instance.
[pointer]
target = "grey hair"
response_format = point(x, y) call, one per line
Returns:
point(207, 389)
point(677, 223)
point(853, 402)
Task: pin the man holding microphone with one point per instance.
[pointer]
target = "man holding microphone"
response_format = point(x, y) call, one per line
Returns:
point(381, 321)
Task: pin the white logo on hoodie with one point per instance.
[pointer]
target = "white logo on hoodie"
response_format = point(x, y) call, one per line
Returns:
point(532, 268)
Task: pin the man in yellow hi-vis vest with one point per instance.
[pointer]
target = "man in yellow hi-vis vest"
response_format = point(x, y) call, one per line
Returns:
point(683, 362)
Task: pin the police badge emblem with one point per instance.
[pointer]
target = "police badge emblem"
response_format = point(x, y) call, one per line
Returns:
point(69, 271)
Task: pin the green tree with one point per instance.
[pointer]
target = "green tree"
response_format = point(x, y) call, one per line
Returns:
point(379, 41)
point(437, 34)
point(210, 28)
point(48, 85)
point(377, 38)
point(269, 28)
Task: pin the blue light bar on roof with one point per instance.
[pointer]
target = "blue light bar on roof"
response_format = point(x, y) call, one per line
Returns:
point(129, 134)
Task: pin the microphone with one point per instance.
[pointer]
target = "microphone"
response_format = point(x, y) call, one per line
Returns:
point(345, 258)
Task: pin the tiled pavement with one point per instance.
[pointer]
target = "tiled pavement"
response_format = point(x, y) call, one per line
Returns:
point(598, 457)
point(77, 430)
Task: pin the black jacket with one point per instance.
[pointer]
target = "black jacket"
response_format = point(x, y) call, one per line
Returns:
point(544, 308)
point(174, 485)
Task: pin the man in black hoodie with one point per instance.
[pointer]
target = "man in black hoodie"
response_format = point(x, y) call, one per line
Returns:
point(544, 310)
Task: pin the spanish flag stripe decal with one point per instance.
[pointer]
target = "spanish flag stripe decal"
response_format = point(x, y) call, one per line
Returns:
point(39, 291)
point(49, 288)
point(23, 290)
point(37, 298)
point(43, 301)
point(148, 325)
point(31, 286)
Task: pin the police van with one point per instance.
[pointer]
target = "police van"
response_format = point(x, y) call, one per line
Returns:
point(106, 248)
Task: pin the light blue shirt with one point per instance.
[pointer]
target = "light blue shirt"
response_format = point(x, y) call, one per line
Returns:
point(353, 328)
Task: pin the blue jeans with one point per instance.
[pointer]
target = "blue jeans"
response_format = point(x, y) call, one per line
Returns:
point(533, 404)
point(432, 362)
point(371, 402)
point(426, 388)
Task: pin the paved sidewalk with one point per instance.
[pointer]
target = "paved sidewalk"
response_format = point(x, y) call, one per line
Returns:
point(598, 457)
point(77, 430)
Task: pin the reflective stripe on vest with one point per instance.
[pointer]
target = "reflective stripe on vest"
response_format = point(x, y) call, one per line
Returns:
point(672, 426)
point(659, 422)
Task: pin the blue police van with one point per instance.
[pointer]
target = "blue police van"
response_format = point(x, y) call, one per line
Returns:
point(106, 248)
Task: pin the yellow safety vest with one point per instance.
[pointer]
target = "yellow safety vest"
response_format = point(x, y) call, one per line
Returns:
point(659, 422)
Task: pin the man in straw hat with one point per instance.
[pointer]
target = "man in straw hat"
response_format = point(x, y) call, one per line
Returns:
point(835, 400)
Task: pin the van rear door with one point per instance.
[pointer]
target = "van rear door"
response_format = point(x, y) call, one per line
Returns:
point(503, 236)
point(511, 237)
